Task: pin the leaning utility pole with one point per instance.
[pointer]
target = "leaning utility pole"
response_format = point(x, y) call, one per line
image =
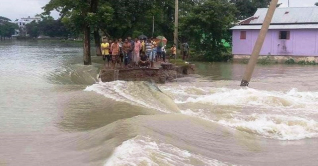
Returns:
point(176, 18)
point(259, 44)
point(288, 3)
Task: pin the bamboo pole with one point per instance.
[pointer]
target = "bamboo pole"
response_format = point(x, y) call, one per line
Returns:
point(259, 44)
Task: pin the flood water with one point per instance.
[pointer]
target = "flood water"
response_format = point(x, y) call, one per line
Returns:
point(55, 112)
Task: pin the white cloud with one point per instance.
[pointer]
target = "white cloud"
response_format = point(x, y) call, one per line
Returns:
point(14, 9)
point(298, 3)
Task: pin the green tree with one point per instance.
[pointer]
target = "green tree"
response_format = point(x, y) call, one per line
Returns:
point(206, 25)
point(33, 29)
point(122, 18)
point(53, 28)
point(130, 17)
point(114, 18)
point(4, 19)
point(79, 13)
point(247, 8)
point(7, 28)
point(47, 27)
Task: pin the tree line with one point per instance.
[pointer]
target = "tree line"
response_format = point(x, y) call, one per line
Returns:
point(7, 28)
point(48, 27)
point(202, 23)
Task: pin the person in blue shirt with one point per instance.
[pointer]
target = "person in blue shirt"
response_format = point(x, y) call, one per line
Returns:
point(185, 51)
point(159, 50)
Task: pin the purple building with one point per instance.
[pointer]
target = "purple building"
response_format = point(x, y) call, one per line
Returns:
point(293, 33)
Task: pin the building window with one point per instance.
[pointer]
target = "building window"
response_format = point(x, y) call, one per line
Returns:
point(285, 35)
point(243, 35)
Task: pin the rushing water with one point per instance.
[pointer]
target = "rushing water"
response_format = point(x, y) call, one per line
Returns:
point(54, 111)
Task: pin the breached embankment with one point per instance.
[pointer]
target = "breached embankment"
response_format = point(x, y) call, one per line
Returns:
point(165, 72)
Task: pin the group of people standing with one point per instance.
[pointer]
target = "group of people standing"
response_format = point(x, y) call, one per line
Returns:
point(118, 52)
point(134, 53)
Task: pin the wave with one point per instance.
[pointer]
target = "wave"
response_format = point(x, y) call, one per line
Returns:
point(142, 94)
point(246, 97)
point(275, 126)
point(271, 114)
point(281, 127)
point(143, 150)
point(75, 74)
point(265, 120)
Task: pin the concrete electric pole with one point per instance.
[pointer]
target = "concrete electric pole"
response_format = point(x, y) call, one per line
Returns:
point(259, 44)
point(176, 24)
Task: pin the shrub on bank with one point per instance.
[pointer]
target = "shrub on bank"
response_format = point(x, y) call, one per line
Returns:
point(265, 61)
point(211, 56)
point(303, 62)
point(290, 61)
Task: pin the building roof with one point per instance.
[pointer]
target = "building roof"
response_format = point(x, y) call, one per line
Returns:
point(284, 18)
point(294, 26)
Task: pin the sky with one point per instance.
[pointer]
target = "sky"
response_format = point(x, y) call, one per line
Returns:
point(14, 9)
point(296, 3)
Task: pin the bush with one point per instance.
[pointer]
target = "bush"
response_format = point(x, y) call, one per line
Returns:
point(307, 62)
point(311, 63)
point(265, 61)
point(211, 56)
point(302, 62)
point(290, 61)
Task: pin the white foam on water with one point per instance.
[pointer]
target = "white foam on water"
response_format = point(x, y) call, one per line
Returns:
point(199, 114)
point(133, 93)
point(186, 91)
point(279, 127)
point(290, 123)
point(249, 97)
point(143, 150)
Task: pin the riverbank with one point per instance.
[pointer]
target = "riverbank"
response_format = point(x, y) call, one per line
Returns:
point(301, 60)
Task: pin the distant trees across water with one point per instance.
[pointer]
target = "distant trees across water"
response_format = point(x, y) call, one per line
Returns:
point(7, 28)
point(47, 27)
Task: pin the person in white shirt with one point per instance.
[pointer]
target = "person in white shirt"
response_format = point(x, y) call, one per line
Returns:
point(163, 53)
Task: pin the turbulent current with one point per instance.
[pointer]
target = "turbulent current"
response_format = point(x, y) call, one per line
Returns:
point(55, 111)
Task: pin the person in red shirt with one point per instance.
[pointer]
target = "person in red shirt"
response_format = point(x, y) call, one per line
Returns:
point(137, 48)
point(126, 50)
point(115, 53)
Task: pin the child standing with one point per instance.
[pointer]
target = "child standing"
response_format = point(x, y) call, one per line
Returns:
point(163, 53)
point(173, 51)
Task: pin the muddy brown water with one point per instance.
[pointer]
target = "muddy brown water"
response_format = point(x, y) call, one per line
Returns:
point(54, 111)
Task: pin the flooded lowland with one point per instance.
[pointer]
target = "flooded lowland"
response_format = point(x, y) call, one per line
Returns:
point(54, 111)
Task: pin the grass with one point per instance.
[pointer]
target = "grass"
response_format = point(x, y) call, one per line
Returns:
point(302, 62)
point(178, 62)
point(266, 61)
point(307, 62)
